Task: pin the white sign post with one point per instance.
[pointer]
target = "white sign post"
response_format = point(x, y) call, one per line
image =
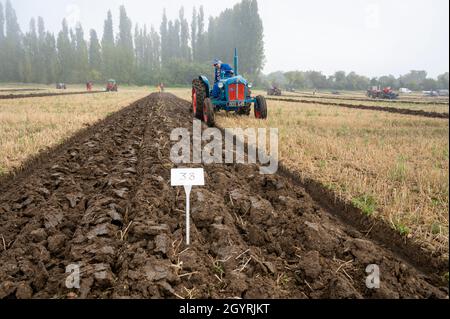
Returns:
point(188, 177)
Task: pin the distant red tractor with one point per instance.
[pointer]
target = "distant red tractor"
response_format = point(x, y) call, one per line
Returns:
point(274, 90)
point(377, 93)
point(111, 86)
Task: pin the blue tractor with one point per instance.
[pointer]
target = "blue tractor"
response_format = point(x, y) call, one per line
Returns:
point(231, 93)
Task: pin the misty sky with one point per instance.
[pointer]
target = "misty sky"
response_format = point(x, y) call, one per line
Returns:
point(370, 37)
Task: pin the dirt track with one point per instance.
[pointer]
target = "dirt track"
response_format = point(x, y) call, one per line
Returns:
point(370, 108)
point(103, 200)
point(23, 96)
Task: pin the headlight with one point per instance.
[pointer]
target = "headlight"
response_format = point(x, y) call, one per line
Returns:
point(250, 85)
point(220, 85)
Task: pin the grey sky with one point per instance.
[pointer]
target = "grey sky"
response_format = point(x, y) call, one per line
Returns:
point(370, 37)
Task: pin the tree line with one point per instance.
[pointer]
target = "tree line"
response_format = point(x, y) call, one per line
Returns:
point(174, 53)
point(132, 54)
point(414, 80)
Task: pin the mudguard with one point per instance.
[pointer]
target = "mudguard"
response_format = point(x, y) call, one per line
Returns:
point(205, 80)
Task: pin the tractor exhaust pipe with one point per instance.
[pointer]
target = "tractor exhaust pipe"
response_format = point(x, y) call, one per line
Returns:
point(236, 62)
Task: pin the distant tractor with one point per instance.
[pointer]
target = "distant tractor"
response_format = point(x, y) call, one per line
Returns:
point(387, 93)
point(231, 93)
point(431, 93)
point(275, 91)
point(61, 86)
point(442, 92)
point(405, 91)
point(111, 86)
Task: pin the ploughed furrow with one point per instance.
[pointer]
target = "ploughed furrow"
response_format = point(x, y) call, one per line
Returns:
point(24, 96)
point(20, 90)
point(370, 108)
point(343, 98)
point(71, 211)
point(105, 203)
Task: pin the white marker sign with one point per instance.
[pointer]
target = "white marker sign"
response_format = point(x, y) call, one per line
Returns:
point(188, 177)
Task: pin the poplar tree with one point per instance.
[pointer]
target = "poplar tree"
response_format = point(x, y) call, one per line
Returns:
point(2, 23)
point(2, 42)
point(50, 59)
point(125, 48)
point(202, 50)
point(163, 30)
point(185, 51)
point(12, 48)
point(64, 54)
point(108, 48)
point(95, 57)
point(194, 34)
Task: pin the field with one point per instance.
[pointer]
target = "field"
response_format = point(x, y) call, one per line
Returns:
point(392, 166)
point(32, 124)
point(438, 108)
point(395, 167)
point(415, 96)
point(100, 198)
point(414, 103)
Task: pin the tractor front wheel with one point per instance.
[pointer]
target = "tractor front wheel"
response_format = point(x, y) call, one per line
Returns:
point(260, 108)
point(208, 112)
point(198, 98)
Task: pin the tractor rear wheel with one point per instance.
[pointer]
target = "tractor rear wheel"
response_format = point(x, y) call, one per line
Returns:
point(198, 98)
point(260, 108)
point(208, 112)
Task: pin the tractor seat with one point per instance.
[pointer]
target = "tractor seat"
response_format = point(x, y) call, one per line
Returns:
point(228, 74)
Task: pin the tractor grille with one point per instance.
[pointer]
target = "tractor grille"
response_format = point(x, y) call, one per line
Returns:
point(236, 92)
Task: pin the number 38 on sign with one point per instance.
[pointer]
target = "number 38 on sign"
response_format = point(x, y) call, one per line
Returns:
point(188, 177)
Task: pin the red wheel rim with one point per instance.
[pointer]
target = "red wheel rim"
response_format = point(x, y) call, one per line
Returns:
point(194, 101)
point(257, 114)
